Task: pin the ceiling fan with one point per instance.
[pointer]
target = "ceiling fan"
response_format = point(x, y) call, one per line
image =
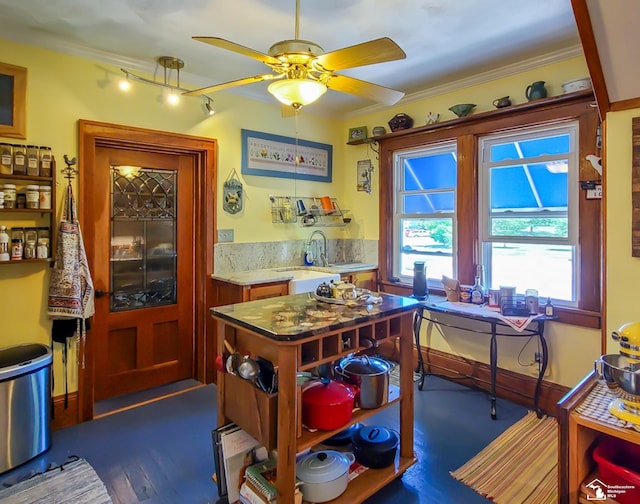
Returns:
point(302, 71)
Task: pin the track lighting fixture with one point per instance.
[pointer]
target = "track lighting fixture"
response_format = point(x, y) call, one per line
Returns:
point(171, 87)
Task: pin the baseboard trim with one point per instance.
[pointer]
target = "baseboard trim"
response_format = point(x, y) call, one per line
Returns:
point(65, 417)
point(510, 385)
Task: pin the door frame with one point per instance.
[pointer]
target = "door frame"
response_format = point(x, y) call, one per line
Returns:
point(91, 136)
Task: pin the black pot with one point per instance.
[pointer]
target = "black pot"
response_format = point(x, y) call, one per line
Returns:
point(344, 437)
point(375, 447)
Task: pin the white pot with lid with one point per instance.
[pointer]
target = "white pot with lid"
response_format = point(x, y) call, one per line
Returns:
point(324, 474)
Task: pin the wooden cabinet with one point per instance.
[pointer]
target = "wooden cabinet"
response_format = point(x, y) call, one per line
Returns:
point(275, 419)
point(584, 422)
point(224, 293)
point(30, 218)
point(362, 279)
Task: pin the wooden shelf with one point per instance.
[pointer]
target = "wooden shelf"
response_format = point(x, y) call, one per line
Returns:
point(18, 261)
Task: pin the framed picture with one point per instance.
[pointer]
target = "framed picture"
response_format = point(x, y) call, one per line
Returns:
point(278, 156)
point(13, 98)
point(359, 133)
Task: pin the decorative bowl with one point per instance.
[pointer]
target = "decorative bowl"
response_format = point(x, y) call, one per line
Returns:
point(462, 109)
point(577, 85)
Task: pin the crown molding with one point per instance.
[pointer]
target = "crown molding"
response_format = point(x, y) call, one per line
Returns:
point(479, 78)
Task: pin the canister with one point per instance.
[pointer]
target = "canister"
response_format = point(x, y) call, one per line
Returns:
point(465, 293)
point(9, 195)
point(33, 196)
point(45, 197)
point(19, 160)
point(45, 161)
point(33, 168)
point(6, 159)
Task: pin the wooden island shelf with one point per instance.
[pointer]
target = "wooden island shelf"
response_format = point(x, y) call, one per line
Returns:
point(299, 333)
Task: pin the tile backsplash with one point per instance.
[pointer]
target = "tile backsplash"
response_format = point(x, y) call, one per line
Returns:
point(232, 257)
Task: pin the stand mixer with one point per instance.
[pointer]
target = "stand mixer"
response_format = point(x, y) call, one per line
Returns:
point(621, 373)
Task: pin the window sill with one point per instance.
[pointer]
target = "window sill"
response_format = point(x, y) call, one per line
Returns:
point(571, 316)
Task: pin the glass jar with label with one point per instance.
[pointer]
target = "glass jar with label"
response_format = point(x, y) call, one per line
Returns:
point(42, 247)
point(16, 249)
point(45, 197)
point(9, 195)
point(19, 160)
point(33, 162)
point(45, 161)
point(33, 196)
point(6, 159)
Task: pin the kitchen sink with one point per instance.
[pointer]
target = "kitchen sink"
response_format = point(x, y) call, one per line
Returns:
point(307, 280)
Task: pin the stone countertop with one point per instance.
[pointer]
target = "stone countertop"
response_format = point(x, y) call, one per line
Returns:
point(286, 273)
point(298, 316)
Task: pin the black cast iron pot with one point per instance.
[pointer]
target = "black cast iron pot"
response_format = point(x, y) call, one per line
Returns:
point(374, 446)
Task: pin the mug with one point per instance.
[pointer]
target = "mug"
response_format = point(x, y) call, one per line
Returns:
point(300, 206)
point(327, 206)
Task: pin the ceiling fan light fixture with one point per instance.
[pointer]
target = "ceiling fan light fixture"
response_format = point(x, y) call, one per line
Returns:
point(297, 92)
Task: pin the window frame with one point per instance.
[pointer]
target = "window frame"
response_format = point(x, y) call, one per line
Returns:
point(398, 215)
point(467, 132)
point(485, 236)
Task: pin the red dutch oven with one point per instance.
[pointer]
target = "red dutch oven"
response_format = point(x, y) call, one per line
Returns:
point(327, 404)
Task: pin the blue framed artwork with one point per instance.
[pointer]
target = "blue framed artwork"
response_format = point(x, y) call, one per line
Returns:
point(275, 156)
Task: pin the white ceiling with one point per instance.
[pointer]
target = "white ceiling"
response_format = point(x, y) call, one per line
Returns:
point(445, 40)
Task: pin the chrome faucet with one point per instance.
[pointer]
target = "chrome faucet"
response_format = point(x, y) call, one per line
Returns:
point(323, 252)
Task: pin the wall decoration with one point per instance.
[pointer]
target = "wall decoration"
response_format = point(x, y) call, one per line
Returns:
point(359, 133)
point(233, 195)
point(364, 175)
point(275, 156)
point(13, 98)
point(635, 188)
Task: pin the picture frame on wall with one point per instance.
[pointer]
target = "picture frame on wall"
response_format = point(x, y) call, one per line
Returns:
point(357, 134)
point(270, 155)
point(13, 101)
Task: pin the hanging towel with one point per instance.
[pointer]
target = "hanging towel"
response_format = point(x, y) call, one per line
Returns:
point(71, 294)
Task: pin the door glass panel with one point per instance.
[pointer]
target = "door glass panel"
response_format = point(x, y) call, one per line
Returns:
point(143, 238)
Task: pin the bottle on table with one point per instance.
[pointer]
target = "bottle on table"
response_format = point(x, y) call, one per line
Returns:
point(477, 291)
point(549, 309)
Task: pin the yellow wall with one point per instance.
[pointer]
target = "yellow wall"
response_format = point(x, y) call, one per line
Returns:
point(623, 270)
point(63, 89)
point(572, 350)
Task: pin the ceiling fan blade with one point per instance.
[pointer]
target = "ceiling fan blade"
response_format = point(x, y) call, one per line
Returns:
point(234, 83)
point(367, 53)
point(358, 87)
point(240, 49)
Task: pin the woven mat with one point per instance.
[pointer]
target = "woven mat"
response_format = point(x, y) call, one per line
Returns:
point(74, 482)
point(519, 466)
point(596, 407)
point(394, 374)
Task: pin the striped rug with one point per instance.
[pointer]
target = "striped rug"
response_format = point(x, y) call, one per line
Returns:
point(74, 482)
point(519, 467)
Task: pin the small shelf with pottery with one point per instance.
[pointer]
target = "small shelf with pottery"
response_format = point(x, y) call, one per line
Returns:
point(308, 211)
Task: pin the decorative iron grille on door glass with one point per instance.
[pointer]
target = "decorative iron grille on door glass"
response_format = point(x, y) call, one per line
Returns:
point(143, 237)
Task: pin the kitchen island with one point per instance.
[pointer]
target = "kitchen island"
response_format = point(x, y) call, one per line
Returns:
point(298, 333)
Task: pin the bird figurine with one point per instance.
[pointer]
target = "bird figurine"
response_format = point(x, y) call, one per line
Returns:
point(432, 117)
point(596, 162)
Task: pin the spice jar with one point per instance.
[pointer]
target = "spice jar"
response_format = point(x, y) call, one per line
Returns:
point(30, 249)
point(45, 197)
point(16, 249)
point(19, 159)
point(33, 168)
point(45, 161)
point(6, 159)
point(33, 196)
point(42, 248)
point(9, 195)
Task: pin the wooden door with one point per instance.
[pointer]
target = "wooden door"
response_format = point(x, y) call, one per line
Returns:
point(143, 269)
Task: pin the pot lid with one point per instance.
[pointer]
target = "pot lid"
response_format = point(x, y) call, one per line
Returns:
point(343, 437)
point(365, 365)
point(323, 466)
point(326, 392)
point(376, 437)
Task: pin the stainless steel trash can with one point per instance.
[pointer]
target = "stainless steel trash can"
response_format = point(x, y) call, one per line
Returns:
point(25, 403)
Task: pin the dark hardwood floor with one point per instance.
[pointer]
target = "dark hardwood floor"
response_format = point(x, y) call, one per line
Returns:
point(161, 452)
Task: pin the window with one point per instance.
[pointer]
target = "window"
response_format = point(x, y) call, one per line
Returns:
point(425, 202)
point(528, 217)
point(502, 189)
